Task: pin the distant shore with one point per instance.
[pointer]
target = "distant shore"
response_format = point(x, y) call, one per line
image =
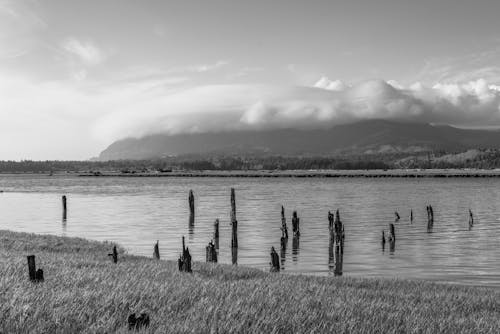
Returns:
point(402, 173)
point(84, 291)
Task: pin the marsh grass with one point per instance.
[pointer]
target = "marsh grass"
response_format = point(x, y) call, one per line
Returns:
point(85, 292)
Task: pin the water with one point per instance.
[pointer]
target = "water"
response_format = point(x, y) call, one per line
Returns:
point(136, 212)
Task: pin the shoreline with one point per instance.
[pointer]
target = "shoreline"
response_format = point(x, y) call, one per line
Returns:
point(84, 291)
point(390, 173)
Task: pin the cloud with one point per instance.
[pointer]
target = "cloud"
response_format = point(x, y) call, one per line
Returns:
point(200, 68)
point(327, 84)
point(87, 52)
point(240, 107)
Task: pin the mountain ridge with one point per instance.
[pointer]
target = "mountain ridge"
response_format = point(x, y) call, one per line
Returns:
point(374, 136)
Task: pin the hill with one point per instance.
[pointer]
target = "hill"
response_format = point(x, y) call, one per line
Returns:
point(366, 137)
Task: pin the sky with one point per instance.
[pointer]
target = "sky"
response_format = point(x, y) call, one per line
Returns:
point(77, 75)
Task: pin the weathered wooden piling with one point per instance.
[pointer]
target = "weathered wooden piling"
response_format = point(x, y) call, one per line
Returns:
point(430, 214)
point(411, 215)
point(138, 323)
point(330, 220)
point(392, 233)
point(64, 207)
point(275, 261)
point(184, 262)
point(34, 274)
point(234, 222)
point(114, 255)
point(295, 224)
point(156, 250)
point(211, 252)
point(191, 202)
point(284, 228)
point(216, 233)
point(471, 218)
point(396, 216)
point(337, 232)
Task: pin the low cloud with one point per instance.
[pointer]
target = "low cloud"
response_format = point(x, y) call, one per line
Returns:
point(328, 103)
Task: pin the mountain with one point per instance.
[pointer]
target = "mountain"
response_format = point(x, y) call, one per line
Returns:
point(374, 136)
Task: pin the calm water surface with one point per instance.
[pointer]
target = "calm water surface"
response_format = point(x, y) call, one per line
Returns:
point(136, 212)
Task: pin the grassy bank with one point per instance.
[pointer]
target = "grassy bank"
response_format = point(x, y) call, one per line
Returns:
point(85, 292)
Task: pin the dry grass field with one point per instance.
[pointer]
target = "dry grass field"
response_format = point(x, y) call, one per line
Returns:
point(85, 292)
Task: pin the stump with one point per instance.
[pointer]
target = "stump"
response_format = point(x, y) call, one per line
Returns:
point(191, 202)
point(114, 255)
point(284, 228)
point(295, 224)
point(211, 252)
point(216, 233)
point(156, 251)
point(275, 261)
point(34, 274)
point(184, 261)
point(137, 323)
point(64, 207)
point(330, 220)
point(234, 222)
point(337, 230)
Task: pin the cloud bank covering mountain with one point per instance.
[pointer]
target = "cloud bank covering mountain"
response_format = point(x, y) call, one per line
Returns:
point(216, 108)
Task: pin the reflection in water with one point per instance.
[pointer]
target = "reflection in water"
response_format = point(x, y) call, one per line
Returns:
point(191, 226)
point(234, 255)
point(392, 246)
point(383, 241)
point(64, 225)
point(295, 248)
point(284, 242)
point(335, 256)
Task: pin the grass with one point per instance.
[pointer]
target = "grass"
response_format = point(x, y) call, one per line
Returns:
point(85, 292)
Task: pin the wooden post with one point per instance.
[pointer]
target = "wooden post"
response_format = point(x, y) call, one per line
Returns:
point(114, 255)
point(396, 216)
point(295, 224)
point(32, 267)
point(211, 253)
point(156, 251)
point(191, 202)
point(234, 222)
point(284, 228)
point(34, 274)
point(184, 261)
point(216, 233)
point(330, 220)
point(275, 261)
point(65, 208)
point(411, 215)
point(471, 218)
point(338, 229)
